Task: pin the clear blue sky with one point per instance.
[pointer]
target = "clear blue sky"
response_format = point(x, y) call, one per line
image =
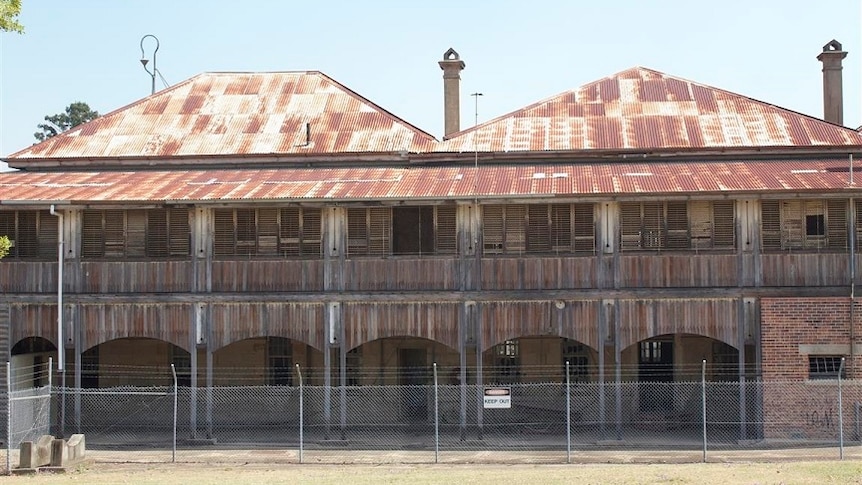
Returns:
point(516, 52)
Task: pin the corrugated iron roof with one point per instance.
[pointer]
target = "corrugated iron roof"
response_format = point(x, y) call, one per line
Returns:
point(641, 108)
point(239, 114)
point(426, 182)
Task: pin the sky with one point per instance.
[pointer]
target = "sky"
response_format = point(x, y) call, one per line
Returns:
point(516, 52)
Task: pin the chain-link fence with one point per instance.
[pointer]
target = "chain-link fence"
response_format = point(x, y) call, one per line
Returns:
point(541, 422)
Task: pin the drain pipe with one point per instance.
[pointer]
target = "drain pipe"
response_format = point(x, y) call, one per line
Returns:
point(60, 345)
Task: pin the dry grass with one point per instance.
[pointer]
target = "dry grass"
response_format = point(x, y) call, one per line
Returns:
point(820, 472)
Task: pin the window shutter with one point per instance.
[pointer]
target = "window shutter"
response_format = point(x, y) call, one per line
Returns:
point(246, 231)
point(136, 230)
point(115, 237)
point(492, 229)
point(289, 232)
point(792, 229)
point(224, 243)
point(653, 226)
point(677, 224)
point(585, 228)
point(770, 224)
point(630, 226)
point(267, 231)
point(311, 229)
point(836, 220)
point(179, 232)
point(723, 224)
point(92, 235)
point(515, 237)
point(157, 233)
point(561, 227)
point(446, 229)
point(27, 242)
point(814, 224)
point(858, 227)
point(7, 228)
point(538, 228)
point(47, 234)
point(357, 232)
point(379, 229)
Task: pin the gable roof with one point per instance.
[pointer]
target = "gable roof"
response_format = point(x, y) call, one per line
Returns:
point(239, 114)
point(643, 109)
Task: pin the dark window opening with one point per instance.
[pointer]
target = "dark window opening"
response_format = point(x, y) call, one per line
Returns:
point(90, 368)
point(825, 367)
point(814, 225)
point(280, 361)
point(507, 362)
point(182, 361)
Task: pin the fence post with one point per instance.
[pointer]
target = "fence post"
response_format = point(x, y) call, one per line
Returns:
point(436, 419)
point(568, 416)
point(299, 373)
point(840, 415)
point(8, 418)
point(176, 391)
point(703, 404)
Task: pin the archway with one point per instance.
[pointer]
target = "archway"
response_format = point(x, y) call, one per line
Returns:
point(29, 362)
point(534, 359)
point(266, 360)
point(134, 361)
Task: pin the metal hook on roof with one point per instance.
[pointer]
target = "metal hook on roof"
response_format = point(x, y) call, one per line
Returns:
point(144, 60)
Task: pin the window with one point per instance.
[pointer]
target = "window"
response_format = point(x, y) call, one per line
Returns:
point(538, 228)
point(696, 225)
point(354, 366)
point(33, 234)
point(274, 232)
point(507, 362)
point(825, 367)
point(280, 360)
point(803, 224)
point(182, 361)
point(136, 233)
point(412, 230)
point(577, 355)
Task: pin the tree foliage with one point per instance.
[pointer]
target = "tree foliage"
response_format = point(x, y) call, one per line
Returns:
point(9, 11)
point(5, 245)
point(75, 114)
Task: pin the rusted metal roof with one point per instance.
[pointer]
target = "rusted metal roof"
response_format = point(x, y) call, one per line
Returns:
point(644, 109)
point(239, 114)
point(426, 182)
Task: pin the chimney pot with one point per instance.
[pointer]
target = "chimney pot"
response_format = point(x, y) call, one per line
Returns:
point(833, 95)
point(452, 65)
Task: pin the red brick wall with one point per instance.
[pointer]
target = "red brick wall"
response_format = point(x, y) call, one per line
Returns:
point(794, 407)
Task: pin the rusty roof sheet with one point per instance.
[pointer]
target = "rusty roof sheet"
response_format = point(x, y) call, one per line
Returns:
point(239, 114)
point(426, 182)
point(643, 109)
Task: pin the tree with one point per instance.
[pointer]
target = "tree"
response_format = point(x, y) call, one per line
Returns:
point(76, 113)
point(5, 245)
point(9, 10)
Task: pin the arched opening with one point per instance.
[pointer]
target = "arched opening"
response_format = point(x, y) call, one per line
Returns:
point(405, 361)
point(134, 361)
point(539, 359)
point(29, 363)
point(265, 361)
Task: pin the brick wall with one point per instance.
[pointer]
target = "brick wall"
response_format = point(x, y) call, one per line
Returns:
point(794, 406)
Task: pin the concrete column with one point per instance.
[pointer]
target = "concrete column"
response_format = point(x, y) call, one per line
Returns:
point(452, 66)
point(833, 96)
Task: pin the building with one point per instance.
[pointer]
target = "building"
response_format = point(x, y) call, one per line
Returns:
point(633, 227)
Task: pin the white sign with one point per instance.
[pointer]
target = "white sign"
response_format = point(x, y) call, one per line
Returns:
point(498, 397)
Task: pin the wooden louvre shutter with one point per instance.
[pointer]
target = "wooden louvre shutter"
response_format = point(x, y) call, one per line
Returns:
point(723, 224)
point(538, 228)
point(792, 228)
point(115, 237)
point(700, 220)
point(246, 232)
point(770, 224)
point(289, 232)
point(179, 232)
point(357, 232)
point(136, 230)
point(379, 230)
point(492, 229)
point(630, 226)
point(836, 224)
point(654, 236)
point(47, 234)
point(515, 237)
point(446, 229)
point(157, 233)
point(677, 225)
point(813, 223)
point(561, 228)
point(224, 235)
point(312, 243)
point(585, 228)
point(28, 234)
point(7, 228)
point(267, 232)
point(858, 225)
point(92, 235)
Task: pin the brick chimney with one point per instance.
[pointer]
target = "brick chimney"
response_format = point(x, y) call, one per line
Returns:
point(833, 96)
point(452, 66)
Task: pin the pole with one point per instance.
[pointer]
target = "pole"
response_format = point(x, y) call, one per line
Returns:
point(8, 418)
point(568, 415)
point(176, 390)
point(840, 415)
point(436, 419)
point(703, 404)
point(299, 373)
point(61, 347)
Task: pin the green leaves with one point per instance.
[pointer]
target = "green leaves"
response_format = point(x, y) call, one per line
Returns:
point(5, 245)
point(76, 113)
point(9, 11)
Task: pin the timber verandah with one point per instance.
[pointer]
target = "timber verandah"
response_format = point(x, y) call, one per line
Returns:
point(607, 278)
